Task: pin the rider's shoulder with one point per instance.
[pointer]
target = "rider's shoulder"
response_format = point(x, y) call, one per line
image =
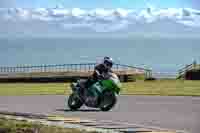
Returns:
point(99, 65)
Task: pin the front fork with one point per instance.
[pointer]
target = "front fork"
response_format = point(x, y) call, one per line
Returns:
point(77, 90)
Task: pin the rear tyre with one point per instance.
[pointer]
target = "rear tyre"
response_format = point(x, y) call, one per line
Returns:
point(74, 102)
point(108, 101)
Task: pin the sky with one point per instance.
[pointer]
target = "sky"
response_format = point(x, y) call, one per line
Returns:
point(100, 3)
point(166, 17)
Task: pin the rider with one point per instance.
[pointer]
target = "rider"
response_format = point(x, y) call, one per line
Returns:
point(100, 71)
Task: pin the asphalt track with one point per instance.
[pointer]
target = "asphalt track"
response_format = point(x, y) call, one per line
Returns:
point(179, 113)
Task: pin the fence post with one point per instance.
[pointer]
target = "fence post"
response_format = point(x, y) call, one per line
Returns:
point(59, 68)
point(76, 67)
point(85, 67)
point(65, 67)
point(40, 68)
point(1, 69)
point(146, 74)
point(8, 69)
point(89, 67)
point(71, 67)
point(45, 68)
point(14, 69)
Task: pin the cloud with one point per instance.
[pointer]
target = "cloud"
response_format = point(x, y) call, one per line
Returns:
point(61, 20)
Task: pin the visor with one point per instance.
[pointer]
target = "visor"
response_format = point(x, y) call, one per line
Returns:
point(108, 64)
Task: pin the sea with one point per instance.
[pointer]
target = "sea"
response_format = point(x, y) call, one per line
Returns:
point(162, 55)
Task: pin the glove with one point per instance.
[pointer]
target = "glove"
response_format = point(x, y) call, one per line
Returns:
point(100, 76)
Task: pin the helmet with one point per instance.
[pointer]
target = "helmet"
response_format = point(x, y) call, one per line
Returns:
point(108, 62)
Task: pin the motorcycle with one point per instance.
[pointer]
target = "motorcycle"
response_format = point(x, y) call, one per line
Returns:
point(102, 94)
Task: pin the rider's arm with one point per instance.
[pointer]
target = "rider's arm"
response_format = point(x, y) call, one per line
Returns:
point(98, 71)
point(98, 68)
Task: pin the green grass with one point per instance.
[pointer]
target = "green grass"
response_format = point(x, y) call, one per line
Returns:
point(13, 126)
point(157, 87)
point(163, 88)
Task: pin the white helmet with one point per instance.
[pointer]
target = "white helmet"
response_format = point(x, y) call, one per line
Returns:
point(108, 62)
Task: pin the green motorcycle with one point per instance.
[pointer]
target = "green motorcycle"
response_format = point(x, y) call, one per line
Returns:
point(102, 94)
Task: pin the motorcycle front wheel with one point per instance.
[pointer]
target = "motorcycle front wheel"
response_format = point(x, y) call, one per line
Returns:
point(108, 101)
point(74, 102)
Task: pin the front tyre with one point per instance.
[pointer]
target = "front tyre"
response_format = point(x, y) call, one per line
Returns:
point(108, 101)
point(74, 103)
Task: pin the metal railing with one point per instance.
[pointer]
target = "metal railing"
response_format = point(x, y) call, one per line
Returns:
point(188, 68)
point(85, 67)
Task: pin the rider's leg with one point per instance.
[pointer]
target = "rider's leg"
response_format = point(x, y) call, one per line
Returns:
point(84, 85)
point(89, 82)
point(92, 98)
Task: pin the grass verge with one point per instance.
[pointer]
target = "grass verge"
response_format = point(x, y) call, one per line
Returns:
point(13, 126)
point(140, 87)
